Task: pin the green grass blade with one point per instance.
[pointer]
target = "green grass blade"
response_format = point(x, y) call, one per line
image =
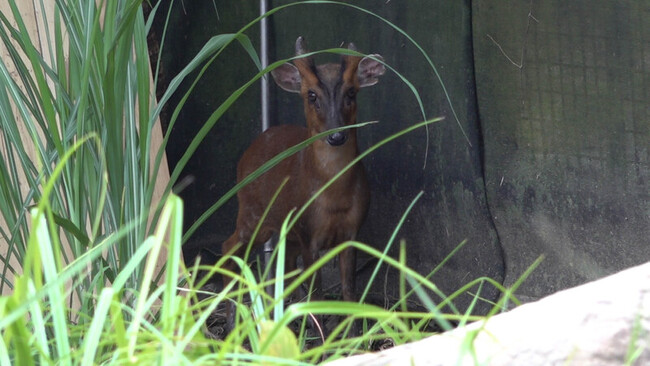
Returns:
point(96, 329)
point(56, 295)
point(375, 271)
point(278, 309)
point(173, 263)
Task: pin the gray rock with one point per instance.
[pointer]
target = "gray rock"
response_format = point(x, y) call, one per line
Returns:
point(605, 322)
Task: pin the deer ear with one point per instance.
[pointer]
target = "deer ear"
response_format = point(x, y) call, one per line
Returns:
point(287, 77)
point(370, 69)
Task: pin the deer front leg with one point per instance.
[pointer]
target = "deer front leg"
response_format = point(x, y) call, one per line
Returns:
point(309, 256)
point(348, 268)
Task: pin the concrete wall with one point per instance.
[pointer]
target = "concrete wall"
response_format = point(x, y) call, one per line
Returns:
point(563, 92)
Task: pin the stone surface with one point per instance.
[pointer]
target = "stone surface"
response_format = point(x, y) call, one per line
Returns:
point(601, 323)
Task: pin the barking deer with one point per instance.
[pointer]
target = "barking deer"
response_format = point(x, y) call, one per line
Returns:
point(329, 94)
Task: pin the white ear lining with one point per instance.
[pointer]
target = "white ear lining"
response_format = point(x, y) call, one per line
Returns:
point(287, 77)
point(370, 69)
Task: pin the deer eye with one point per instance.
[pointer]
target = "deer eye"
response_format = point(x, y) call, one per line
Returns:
point(311, 96)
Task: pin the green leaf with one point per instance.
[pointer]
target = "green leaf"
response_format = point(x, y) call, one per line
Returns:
point(70, 227)
point(279, 340)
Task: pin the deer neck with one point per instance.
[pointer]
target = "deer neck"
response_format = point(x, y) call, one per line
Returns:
point(327, 160)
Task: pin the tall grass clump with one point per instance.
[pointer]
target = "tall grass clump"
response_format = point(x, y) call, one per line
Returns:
point(78, 176)
point(83, 279)
point(87, 77)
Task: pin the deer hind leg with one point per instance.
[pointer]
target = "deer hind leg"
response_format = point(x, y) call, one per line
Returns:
point(235, 246)
point(229, 247)
point(290, 264)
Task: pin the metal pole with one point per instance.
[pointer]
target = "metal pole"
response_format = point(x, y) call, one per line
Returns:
point(264, 55)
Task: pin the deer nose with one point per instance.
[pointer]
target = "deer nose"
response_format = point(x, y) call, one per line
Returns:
point(337, 138)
